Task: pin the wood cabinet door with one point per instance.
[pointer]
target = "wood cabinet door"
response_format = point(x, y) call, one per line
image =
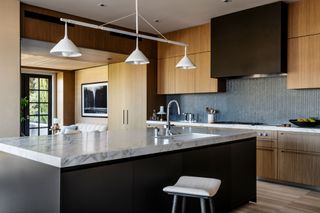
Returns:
point(304, 18)
point(299, 167)
point(135, 95)
point(304, 62)
point(166, 76)
point(203, 81)
point(184, 79)
point(116, 99)
point(267, 163)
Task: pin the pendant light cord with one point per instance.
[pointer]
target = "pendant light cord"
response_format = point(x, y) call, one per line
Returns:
point(66, 30)
point(137, 25)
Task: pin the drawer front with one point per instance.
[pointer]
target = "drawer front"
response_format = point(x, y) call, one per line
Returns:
point(299, 167)
point(299, 142)
point(267, 135)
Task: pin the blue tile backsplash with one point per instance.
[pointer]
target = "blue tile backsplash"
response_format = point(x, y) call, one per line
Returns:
point(265, 100)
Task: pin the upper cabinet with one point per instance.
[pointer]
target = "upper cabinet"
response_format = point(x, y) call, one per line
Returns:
point(304, 18)
point(178, 81)
point(303, 45)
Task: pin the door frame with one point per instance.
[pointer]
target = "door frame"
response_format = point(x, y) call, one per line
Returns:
point(24, 126)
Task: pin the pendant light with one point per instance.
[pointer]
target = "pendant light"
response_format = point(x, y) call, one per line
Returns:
point(185, 63)
point(137, 57)
point(65, 47)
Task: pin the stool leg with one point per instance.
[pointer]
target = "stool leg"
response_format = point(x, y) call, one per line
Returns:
point(203, 205)
point(211, 205)
point(174, 205)
point(183, 204)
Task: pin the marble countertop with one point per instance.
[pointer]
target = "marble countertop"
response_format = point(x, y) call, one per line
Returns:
point(241, 126)
point(85, 148)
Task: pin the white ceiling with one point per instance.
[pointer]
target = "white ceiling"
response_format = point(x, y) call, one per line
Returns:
point(173, 14)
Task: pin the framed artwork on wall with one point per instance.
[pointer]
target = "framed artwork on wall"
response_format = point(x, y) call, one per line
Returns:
point(94, 100)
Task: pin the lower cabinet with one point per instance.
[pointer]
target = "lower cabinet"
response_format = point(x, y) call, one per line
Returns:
point(299, 158)
point(267, 163)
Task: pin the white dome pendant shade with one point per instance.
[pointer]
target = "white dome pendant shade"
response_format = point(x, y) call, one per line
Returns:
point(137, 57)
point(185, 63)
point(65, 47)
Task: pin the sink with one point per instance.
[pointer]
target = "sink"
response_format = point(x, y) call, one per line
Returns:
point(186, 136)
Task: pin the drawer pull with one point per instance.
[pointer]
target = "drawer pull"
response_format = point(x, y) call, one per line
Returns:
point(266, 149)
point(302, 153)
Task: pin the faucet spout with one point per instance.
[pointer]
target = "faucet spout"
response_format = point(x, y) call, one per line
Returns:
point(168, 126)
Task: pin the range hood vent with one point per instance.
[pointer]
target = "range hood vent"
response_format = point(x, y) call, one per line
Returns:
point(250, 42)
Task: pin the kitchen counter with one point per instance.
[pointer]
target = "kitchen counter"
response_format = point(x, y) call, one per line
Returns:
point(80, 149)
point(240, 126)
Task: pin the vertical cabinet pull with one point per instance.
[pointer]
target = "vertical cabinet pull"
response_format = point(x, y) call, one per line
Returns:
point(127, 116)
point(122, 116)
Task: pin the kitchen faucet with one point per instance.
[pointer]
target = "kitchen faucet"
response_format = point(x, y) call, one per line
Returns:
point(168, 126)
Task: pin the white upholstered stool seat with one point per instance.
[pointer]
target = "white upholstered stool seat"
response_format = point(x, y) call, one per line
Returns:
point(189, 186)
point(195, 186)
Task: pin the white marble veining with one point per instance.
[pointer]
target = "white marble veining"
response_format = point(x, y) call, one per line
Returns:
point(241, 126)
point(84, 148)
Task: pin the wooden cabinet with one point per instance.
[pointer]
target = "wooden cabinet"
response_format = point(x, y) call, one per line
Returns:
point(130, 102)
point(166, 76)
point(177, 81)
point(267, 155)
point(303, 45)
point(304, 62)
point(299, 158)
point(304, 18)
point(185, 79)
point(127, 96)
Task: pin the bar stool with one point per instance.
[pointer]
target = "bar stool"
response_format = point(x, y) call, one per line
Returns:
point(197, 187)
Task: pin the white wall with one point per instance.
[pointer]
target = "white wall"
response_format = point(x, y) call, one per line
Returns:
point(97, 74)
point(10, 68)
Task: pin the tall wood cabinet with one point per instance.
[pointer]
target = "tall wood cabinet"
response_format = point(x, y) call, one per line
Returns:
point(132, 95)
point(177, 81)
point(303, 44)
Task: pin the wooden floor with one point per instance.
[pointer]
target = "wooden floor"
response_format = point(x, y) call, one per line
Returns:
point(284, 199)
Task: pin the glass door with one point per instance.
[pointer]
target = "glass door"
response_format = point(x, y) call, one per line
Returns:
point(37, 114)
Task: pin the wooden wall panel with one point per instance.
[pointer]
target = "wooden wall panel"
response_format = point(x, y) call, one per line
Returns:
point(81, 36)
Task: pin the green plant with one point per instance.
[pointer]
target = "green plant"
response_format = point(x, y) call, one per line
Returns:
point(23, 104)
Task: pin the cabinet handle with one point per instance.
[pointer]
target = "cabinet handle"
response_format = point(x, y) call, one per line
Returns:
point(122, 116)
point(302, 153)
point(266, 149)
point(127, 116)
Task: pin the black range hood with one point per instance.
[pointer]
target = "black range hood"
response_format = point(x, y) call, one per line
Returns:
point(252, 42)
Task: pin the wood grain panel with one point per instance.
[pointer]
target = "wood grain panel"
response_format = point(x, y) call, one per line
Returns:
point(184, 79)
point(267, 163)
point(203, 81)
point(304, 18)
point(81, 36)
point(299, 167)
point(299, 142)
point(198, 40)
point(304, 62)
point(166, 76)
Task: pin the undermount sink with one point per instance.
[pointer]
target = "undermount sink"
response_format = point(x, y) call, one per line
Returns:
point(187, 136)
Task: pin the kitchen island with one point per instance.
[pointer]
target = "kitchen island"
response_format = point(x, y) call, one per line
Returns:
point(123, 171)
